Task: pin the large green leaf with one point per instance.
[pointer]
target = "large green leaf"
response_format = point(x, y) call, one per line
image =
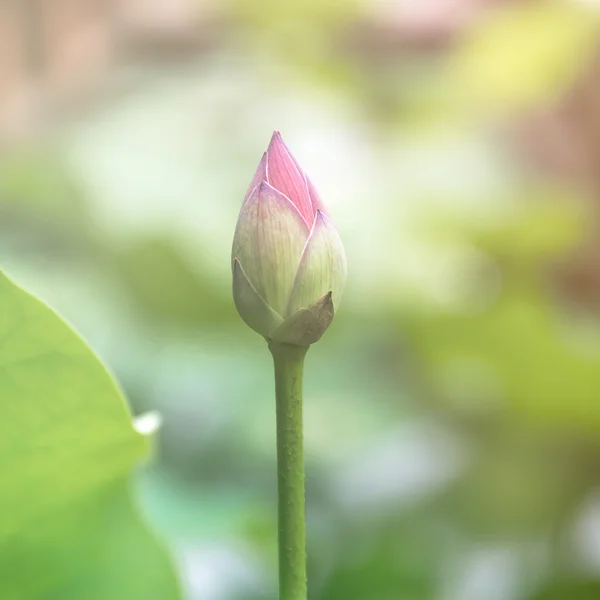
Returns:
point(68, 526)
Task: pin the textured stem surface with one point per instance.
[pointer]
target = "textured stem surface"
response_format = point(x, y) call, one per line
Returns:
point(289, 362)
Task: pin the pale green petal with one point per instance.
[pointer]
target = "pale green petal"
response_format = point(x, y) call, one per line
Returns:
point(322, 267)
point(306, 325)
point(252, 308)
point(269, 239)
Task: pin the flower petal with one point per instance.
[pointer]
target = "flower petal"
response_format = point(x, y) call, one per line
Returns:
point(259, 175)
point(314, 196)
point(269, 239)
point(252, 308)
point(322, 267)
point(285, 175)
point(307, 325)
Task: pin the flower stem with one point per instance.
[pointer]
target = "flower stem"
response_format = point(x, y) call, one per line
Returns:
point(289, 363)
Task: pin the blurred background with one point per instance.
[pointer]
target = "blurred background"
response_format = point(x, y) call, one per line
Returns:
point(453, 408)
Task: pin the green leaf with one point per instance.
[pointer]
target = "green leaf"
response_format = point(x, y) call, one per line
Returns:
point(68, 526)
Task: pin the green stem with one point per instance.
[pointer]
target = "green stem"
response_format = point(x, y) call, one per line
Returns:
point(289, 363)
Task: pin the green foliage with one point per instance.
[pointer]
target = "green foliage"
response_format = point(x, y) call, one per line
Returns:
point(561, 590)
point(524, 56)
point(68, 526)
point(49, 191)
point(165, 286)
point(401, 557)
point(276, 18)
point(498, 354)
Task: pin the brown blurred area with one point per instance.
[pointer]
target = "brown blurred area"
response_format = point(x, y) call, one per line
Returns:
point(561, 143)
point(55, 53)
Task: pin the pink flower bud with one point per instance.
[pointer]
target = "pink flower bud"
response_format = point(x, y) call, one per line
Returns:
point(288, 261)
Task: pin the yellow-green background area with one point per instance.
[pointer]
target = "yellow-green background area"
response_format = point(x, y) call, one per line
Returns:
point(452, 411)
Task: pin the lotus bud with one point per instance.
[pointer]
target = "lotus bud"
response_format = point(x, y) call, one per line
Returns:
point(288, 261)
